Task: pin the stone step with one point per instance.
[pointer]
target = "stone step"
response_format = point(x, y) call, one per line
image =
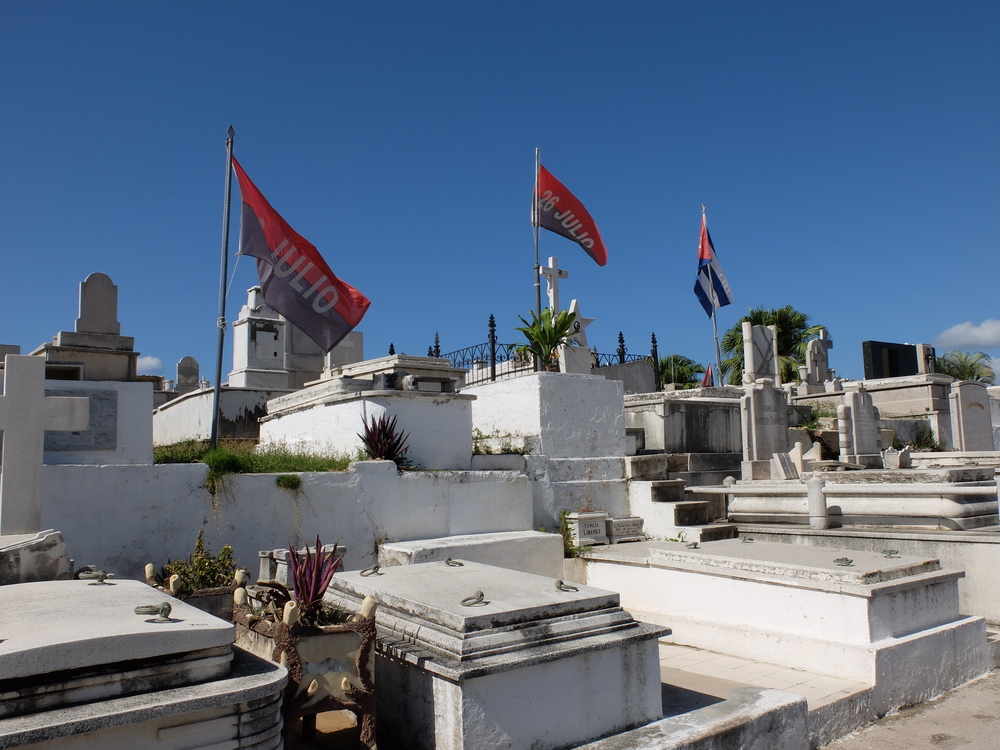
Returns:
point(667, 490)
point(704, 478)
point(647, 467)
point(705, 461)
point(691, 512)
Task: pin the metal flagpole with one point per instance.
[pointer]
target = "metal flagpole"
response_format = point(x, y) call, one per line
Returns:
point(535, 220)
point(715, 306)
point(222, 288)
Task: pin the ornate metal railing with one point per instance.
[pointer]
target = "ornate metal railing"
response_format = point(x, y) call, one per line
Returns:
point(492, 361)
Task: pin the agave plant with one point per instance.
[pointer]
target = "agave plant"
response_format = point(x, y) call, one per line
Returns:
point(310, 577)
point(545, 334)
point(382, 441)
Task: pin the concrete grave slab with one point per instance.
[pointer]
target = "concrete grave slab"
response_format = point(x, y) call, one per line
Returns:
point(477, 656)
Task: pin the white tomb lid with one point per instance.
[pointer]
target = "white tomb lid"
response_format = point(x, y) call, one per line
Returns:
point(520, 618)
point(65, 642)
point(790, 562)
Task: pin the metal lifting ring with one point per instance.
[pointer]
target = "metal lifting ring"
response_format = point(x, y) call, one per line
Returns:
point(560, 586)
point(372, 571)
point(97, 576)
point(162, 610)
point(475, 600)
point(453, 563)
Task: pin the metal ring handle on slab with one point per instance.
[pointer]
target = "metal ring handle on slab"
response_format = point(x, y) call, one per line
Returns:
point(97, 576)
point(162, 610)
point(844, 562)
point(560, 586)
point(453, 563)
point(477, 599)
point(372, 571)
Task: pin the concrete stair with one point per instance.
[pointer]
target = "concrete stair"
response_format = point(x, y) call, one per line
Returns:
point(670, 513)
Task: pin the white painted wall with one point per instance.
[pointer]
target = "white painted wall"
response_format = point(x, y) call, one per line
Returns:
point(189, 417)
point(121, 517)
point(573, 416)
point(134, 436)
point(439, 425)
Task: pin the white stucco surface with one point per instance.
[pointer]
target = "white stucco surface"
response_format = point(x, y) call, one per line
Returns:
point(121, 517)
point(572, 416)
point(439, 426)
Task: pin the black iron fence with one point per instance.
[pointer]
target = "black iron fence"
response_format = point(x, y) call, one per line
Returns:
point(493, 361)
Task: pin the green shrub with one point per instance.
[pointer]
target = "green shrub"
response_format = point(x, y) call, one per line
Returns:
point(201, 570)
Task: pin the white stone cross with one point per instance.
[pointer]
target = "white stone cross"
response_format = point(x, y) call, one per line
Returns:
point(553, 273)
point(25, 413)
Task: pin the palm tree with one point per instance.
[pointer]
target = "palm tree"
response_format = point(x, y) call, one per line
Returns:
point(794, 335)
point(684, 371)
point(965, 366)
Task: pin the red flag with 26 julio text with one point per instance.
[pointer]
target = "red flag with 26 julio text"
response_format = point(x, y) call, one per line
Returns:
point(294, 278)
point(558, 210)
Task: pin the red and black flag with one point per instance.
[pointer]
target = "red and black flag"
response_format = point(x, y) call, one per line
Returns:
point(558, 210)
point(296, 281)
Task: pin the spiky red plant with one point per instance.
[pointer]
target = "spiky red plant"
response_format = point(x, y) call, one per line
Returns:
point(311, 575)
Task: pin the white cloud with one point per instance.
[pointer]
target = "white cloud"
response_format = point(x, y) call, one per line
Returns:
point(969, 337)
point(149, 366)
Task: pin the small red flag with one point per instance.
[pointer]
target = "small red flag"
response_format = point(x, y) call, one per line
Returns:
point(296, 281)
point(707, 381)
point(559, 211)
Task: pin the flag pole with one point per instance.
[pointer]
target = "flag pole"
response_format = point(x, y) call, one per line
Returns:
point(535, 221)
point(223, 272)
point(715, 306)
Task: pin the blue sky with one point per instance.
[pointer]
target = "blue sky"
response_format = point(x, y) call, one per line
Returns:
point(847, 154)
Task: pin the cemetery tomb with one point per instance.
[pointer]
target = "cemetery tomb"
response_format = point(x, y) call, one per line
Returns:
point(935, 498)
point(474, 656)
point(81, 669)
point(881, 619)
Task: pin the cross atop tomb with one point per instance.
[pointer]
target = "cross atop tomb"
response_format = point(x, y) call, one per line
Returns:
point(25, 414)
point(553, 273)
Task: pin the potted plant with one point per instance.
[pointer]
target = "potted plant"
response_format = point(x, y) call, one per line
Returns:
point(545, 334)
point(204, 580)
point(328, 653)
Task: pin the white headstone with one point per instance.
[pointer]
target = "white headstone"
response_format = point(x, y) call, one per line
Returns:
point(25, 414)
point(98, 306)
point(818, 359)
point(971, 426)
point(760, 354)
point(858, 424)
point(764, 419)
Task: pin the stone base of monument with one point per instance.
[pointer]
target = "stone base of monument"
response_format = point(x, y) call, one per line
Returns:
point(33, 557)
point(81, 669)
point(888, 621)
point(527, 551)
point(475, 656)
point(938, 498)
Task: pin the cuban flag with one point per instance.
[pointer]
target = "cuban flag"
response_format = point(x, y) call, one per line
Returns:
point(296, 281)
point(711, 288)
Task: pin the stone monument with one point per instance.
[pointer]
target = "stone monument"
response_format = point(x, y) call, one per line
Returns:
point(95, 350)
point(858, 425)
point(764, 421)
point(760, 354)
